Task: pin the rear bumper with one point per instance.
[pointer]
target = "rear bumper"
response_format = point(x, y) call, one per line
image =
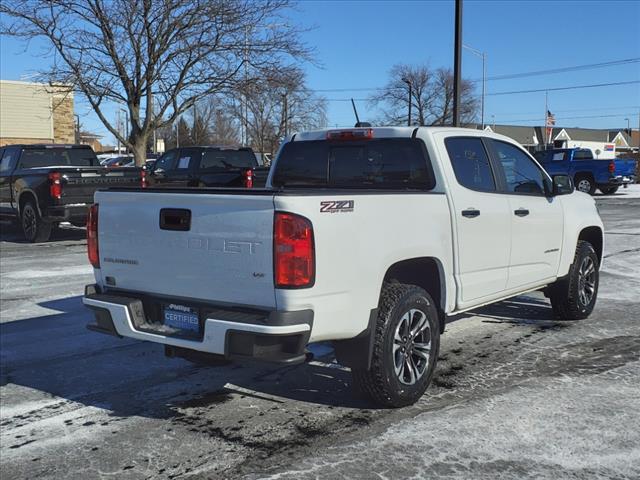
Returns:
point(274, 337)
point(67, 213)
point(621, 180)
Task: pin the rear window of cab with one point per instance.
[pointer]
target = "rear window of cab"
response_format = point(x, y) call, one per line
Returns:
point(387, 163)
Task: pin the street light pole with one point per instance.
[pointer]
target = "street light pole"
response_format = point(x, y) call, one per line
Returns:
point(408, 82)
point(457, 64)
point(483, 56)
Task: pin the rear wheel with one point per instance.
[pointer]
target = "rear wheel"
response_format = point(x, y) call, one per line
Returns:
point(33, 227)
point(574, 297)
point(609, 190)
point(585, 183)
point(406, 345)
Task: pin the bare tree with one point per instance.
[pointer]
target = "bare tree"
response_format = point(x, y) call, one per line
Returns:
point(278, 104)
point(431, 97)
point(155, 57)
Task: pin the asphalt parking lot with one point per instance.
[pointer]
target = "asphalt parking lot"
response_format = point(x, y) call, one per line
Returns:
point(516, 394)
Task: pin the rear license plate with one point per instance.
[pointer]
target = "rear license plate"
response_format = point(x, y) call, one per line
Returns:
point(181, 317)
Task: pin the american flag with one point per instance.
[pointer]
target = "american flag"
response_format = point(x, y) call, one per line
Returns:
point(551, 119)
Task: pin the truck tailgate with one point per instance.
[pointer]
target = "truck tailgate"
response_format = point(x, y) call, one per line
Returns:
point(79, 185)
point(225, 256)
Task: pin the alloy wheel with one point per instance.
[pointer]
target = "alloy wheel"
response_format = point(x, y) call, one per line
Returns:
point(586, 281)
point(29, 222)
point(411, 346)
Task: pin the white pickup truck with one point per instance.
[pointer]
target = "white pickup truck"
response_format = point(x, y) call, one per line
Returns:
point(367, 237)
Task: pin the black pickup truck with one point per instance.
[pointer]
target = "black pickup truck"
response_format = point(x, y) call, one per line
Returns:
point(207, 166)
point(42, 185)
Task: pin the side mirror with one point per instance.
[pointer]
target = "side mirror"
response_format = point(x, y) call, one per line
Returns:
point(562, 185)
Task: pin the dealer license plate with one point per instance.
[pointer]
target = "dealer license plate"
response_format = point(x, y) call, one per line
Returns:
point(181, 317)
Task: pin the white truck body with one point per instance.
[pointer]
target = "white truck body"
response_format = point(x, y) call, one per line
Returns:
point(226, 259)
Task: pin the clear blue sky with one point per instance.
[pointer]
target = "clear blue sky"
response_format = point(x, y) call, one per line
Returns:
point(357, 42)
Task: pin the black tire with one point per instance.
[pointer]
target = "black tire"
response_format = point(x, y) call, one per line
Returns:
point(381, 382)
point(608, 190)
point(35, 229)
point(568, 299)
point(584, 183)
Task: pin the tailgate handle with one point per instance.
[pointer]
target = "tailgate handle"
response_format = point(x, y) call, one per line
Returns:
point(175, 219)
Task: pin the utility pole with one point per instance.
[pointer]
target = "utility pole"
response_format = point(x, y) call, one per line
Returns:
point(457, 64)
point(408, 82)
point(285, 109)
point(195, 124)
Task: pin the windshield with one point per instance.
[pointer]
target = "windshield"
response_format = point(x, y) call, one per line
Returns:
point(391, 163)
point(54, 157)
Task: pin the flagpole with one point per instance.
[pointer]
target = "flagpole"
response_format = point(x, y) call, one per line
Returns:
point(546, 112)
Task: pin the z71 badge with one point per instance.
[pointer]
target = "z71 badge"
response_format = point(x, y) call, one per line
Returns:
point(337, 206)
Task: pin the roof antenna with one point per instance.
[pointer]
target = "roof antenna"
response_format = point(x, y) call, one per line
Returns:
point(358, 122)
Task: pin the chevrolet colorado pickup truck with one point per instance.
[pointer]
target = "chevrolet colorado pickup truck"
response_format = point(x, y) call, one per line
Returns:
point(588, 173)
point(42, 185)
point(368, 237)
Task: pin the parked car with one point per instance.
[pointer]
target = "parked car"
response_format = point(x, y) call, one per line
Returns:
point(41, 185)
point(123, 161)
point(588, 173)
point(368, 237)
point(207, 167)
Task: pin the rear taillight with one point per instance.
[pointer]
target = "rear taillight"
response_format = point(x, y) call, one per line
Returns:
point(247, 178)
point(55, 185)
point(92, 236)
point(612, 168)
point(143, 178)
point(293, 251)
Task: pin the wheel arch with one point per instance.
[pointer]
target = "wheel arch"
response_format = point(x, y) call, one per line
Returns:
point(425, 272)
point(595, 237)
point(24, 197)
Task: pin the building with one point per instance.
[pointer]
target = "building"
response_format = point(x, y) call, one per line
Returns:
point(604, 143)
point(36, 113)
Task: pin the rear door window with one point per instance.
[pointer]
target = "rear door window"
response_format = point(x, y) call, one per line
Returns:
point(583, 155)
point(166, 161)
point(58, 157)
point(392, 163)
point(471, 163)
point(220, 160)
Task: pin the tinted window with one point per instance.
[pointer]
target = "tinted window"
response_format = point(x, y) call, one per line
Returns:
point(583, 155)
point(166, 161)
point(383, 163)
point(521, 173)
point(470, 163)
point(50, 157)
point(5, 160)
point(227, 159)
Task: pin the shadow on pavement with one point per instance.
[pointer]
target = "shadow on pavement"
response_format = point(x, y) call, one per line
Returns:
point(10, 232)
point(58, 355)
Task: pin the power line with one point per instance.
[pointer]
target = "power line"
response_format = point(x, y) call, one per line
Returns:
point(572, 118)
point(564, 69)
point(572, 68)
point(514, 92)
point(573, 87)
point(625, 107)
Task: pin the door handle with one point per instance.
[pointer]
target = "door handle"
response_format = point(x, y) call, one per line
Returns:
point(470, 213)
point(521, 212)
